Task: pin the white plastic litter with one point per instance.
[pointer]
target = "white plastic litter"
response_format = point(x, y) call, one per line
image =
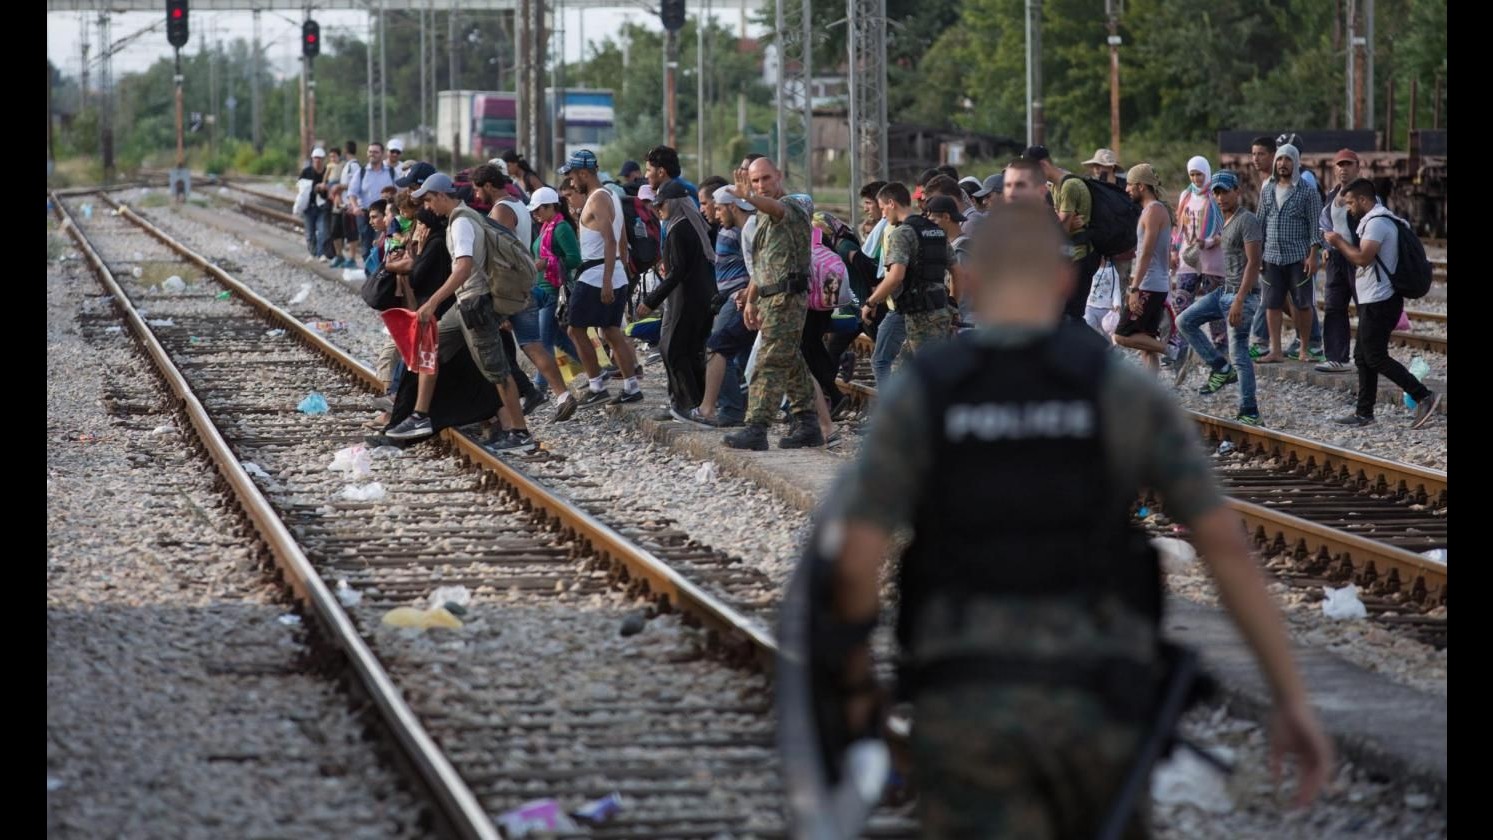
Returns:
point(114, 329)
point(1176, 555)
point(387, 451)
point(1343, 603)
point(255, 470)
point(53, 783)
point(137, 272)
point(222, 191)
point(161, 322)
point(172, 284)
point(353, 459)
point(300, 296)
point(275, 333)
point(1185, 779)
point(160, 430)
point(353, 275)
point(346, 595)
point(365, 493)
point(289, 619)
point(1436, 554)
point(706, 473)
point(457, 595)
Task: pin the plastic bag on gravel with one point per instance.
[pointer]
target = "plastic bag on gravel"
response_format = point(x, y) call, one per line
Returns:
point(1185, 779)
point(173, 284)
point(346, 595)
point(364, 493)
point(541, 815)
point(421, 619)
point(300, 296)
point(255, 470)
point(354, 459)
point(314, 403)
point(457, 595)
point(1342, 604)
point(706, 473)
point(1176, 555)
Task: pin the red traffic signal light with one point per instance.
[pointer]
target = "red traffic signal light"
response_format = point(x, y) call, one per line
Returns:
point(176, 23)
point(310, 39)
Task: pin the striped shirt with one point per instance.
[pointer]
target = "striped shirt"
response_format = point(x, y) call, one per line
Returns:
point(1290, 227)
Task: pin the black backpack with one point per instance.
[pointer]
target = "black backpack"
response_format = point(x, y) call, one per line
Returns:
point(1412, 275)
point(641, 227)
point(1110, 227)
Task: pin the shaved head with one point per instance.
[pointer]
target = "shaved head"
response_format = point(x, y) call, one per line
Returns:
point(1020, 259)
point(765, 178)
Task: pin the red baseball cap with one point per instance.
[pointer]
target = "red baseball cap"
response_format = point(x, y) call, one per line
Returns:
point(1344, 154)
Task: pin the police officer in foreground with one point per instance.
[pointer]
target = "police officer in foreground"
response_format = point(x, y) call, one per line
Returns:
point(1029, 607)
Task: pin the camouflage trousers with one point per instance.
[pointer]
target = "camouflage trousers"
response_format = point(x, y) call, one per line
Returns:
point(780, 361)
point(1019, 762)
point(922, 328)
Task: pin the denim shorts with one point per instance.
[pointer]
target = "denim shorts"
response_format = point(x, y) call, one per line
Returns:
point(526, 323)
point(729, 335)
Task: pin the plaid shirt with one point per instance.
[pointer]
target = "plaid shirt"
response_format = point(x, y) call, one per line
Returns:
point(1290, 228)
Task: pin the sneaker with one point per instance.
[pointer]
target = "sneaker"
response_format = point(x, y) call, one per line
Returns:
point(594, 398)
point(693, 418)
point(1425, 410)
point(653, 358)
point(750, 437)
point(833, 441)
point(1293, 349)
point(624, 397)
point(326, 260)
point(410, 428)
point(1334, 367)
point(1248, 420)
point(1258, 350)
point(1316, 354)
point(533, 401)
point(515, 440)
point(566, 410)
point(1354, 420)
point(1219, 378)
point(804, 434)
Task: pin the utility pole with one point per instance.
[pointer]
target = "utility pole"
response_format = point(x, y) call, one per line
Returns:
point(368, 73)
point(527, 113)
point(451, 77)
point(83, 69)
point(700, 110)
point(383, 80)
point(422, 68)
point(254, 89)
point(106, 95)
point(557, 81)
point(1114, 8)
point(671, 68)
point(1035, 127)
point(1368, 86)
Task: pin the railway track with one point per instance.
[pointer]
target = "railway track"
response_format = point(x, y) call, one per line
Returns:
point(1326, 515)
point(537, 696)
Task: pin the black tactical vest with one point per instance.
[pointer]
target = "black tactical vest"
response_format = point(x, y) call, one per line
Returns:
point(1023, 502)
point(923, 285)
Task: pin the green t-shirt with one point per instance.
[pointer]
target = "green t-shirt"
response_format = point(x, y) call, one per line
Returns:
point(1073, 197)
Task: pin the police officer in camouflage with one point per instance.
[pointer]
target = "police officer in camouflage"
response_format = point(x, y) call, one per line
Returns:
point(776, 304)
point(917, 255)
point(1030, 607)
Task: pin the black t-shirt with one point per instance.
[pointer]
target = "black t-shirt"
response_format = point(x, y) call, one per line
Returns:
point(432, 268)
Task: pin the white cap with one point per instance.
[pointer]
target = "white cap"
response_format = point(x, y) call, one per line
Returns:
point(396, 145)
point(318, 152)
point(645, 192)
point(724, 195)
point(543, 196)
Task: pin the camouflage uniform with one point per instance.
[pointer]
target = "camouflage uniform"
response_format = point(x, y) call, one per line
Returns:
point(781, 248)
point(1022, 759)
point(922, 327)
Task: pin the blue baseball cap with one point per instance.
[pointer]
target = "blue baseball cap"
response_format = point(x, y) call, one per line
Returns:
point(1226, 180)
point(582, 159)
point(417, 175)
point(439, 182)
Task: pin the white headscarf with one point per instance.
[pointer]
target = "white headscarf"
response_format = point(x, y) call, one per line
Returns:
point(1198, 163)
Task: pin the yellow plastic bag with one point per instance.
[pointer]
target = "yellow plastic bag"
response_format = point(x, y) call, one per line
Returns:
point(421, 619)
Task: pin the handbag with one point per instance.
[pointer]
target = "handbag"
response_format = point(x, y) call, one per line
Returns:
point(381, 291)
point(1193, 255)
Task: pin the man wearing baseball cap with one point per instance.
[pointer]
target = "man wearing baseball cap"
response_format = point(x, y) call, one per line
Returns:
point(396, 159)
point(317, 215)
point(631, 173)
point(471, 323)
point(1340, 287)
point(415, 175)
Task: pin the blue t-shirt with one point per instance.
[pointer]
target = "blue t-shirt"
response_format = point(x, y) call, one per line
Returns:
point(730, 265)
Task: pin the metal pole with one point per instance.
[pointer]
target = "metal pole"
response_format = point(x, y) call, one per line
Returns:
point(212, 84)
point(853, 31)
point(311, 102)
point(671, 71)
point(383, 79)
point(106, 88)
point(560, 149)
point(451, 78)
point(305, 149)
point(521, 78)
point(1030, 135)
point(1368, 61)
point(1349, 76)
point(83, 69)
point(700, 96)
point(368, 85)
point(423, 73)
point(254, 85)
point(782, 149)
point(181, 151)
point(1389, 113)
point(807, 48)
point(1039, 121)
point(1435, 103)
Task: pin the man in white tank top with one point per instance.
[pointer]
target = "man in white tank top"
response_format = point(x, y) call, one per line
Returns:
point(601, 284)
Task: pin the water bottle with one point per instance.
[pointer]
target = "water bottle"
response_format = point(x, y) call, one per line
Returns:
point(1418, 369)
point(639, 229)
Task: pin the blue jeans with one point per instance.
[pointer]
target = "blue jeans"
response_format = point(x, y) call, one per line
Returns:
point(1214, 306)
point(366, 235)
point(889, 339)
point(318, 223)
point(730, 406)
point(551, 334)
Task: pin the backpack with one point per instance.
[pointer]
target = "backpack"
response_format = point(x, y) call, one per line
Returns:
point(842, 240)
point(829, 285)
point(510, 269)
point(1411, 278)
point(1110, 228)
point(640, 224)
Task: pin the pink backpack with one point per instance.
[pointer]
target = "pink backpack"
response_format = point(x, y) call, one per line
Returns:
point(829, 286)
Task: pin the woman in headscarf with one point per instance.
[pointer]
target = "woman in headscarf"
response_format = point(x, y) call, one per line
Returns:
point(1196, 256)
point(688, 285)
point(521, 172)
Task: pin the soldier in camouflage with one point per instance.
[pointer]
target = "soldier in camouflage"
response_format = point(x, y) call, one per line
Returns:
point(904, 270)
point(1013, 453)
point(776, 305)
